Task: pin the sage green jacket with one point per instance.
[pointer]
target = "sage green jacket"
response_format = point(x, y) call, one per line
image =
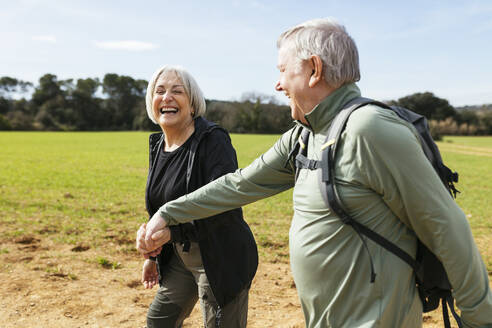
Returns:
point(387, 184)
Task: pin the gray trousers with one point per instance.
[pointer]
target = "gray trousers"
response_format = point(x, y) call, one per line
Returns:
point(185, 282)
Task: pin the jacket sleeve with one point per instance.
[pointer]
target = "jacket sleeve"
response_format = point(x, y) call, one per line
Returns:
point(266, 176)
point(397, 169)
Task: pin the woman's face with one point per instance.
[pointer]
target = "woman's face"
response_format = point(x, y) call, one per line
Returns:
point(170, 103)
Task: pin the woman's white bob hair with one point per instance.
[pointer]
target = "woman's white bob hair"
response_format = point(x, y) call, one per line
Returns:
point(193, 91)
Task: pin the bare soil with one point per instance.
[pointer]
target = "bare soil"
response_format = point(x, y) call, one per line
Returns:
point(43, 284)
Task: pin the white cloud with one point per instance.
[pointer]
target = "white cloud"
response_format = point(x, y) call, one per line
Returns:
point(128, 45)
point(45, 38)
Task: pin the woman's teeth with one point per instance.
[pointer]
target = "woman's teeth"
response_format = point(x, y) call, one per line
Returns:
point(168, 110)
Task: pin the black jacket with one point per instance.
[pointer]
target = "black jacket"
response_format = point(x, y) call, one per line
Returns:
point(227, 246)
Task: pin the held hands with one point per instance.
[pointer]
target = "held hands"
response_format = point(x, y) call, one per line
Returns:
point(153, 245)
point(155, 224)
point(142, 246)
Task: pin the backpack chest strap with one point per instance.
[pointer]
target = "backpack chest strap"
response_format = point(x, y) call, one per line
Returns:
point(302, 162)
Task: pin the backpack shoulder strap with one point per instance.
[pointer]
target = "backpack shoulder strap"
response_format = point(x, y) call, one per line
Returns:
point(329, 191)
point(299, 151)
point(336, 128)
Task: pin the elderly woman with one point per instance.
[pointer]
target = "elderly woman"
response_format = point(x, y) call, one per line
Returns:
point(215, 259)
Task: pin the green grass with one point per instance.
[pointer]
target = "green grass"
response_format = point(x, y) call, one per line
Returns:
point(72, 186)
point(107, 264)
point(269, 218)
point(471, 157)
point(88, 188)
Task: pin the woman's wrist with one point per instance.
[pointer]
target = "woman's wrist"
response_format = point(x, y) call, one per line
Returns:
point(152, 259)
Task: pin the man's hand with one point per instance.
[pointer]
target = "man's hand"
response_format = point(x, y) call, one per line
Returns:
point(155, 224)
point(150, 277)
point(154, 246)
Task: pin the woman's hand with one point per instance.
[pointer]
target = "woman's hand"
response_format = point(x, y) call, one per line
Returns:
point(150, 277)
point(141, 247)
point(153, 246)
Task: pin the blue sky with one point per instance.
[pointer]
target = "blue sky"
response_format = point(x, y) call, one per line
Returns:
point(444, 47)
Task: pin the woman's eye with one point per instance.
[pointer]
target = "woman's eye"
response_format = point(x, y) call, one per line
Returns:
point(177, 91)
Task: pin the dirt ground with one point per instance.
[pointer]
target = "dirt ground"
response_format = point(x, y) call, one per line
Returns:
point(43, 284)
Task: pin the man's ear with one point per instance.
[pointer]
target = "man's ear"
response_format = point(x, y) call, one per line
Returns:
point(316, 65)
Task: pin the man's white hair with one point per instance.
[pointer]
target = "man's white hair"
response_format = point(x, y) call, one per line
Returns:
point(193, 91)
point(330, 41)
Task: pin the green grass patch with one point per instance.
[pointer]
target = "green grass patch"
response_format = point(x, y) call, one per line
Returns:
point(471, 157)
point(107, 264)
point(88, 188)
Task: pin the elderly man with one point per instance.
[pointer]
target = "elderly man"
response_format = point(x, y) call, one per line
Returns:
point(318, 63)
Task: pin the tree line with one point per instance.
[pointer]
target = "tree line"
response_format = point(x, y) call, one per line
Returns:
point(117, 102)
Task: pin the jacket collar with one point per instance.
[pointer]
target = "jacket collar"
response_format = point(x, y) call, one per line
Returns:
point(322, 115)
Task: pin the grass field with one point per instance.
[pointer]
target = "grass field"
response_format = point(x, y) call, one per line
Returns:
point(88, 189)
point(80, 187)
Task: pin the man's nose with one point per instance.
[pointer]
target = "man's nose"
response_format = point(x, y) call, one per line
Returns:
point(278, 87)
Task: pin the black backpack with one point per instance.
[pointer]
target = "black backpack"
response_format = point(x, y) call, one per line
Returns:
point(431, 278)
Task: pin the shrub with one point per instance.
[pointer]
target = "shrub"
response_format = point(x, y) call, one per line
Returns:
point(4, 123)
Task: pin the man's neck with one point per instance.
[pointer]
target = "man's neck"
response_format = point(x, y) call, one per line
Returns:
point(320, 92)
